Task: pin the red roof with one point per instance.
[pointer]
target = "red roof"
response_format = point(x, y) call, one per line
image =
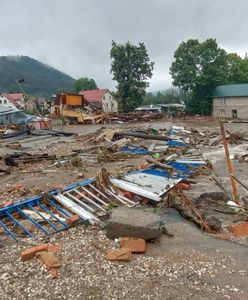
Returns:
point(93, 95)
point(14, 96)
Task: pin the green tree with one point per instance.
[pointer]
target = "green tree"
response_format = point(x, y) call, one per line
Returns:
point(131, 67)
point(237, 68)
point(84, 83)
point(198, 68)
point(171, 95)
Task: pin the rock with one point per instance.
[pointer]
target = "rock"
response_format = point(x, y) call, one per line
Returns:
point(133, 222)
point(213, 222)
point(218, 196)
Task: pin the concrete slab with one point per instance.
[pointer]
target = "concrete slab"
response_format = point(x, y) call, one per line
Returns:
point(134, 222)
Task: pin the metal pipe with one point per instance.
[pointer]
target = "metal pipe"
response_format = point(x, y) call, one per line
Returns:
point(229, 165)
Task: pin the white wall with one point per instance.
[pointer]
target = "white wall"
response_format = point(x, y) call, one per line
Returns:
point(223, 107)
point(109, 104)
point(5, 102)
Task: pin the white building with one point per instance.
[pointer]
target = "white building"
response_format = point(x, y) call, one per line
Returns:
point(100, 99)
point(231, 101)
point(13, 100)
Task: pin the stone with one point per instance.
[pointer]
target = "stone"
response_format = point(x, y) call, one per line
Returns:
point(133, 222)
point(213, 222)
point(135, 245)
point(31, 252)
point(217, 196)
point(122, 254)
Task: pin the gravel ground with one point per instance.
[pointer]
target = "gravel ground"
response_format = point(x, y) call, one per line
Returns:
point(85, 274)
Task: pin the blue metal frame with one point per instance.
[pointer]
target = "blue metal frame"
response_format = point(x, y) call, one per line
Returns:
point(30, 204)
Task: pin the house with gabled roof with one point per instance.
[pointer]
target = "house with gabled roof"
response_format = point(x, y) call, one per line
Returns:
point(231, 101)
point(101, 99)
point(13, 100)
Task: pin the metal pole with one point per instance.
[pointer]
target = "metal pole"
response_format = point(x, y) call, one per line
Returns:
point(29, 99)
point(229, 165)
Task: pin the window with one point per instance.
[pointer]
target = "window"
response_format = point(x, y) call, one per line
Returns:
point(5, 101)
point(222, 113)
point(222, 101)
point(0, 101)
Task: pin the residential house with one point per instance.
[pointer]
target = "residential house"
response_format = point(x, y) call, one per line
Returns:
point(100, 99)
point(231, 101)
point(10, 115)
point(13, 100)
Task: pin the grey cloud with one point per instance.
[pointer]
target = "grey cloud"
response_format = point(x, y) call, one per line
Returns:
point(75, 35)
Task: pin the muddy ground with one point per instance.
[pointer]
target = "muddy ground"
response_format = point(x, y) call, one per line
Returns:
point(190, 265)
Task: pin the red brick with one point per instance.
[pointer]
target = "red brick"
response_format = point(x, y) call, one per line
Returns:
point(239, 229)
point(122, 254)
point(183, 186)
point(6, 203)
point(49, 260)
point(31, 252)
point(73, 219)
point(54, 248)
point(15, 187)
point(135, 245)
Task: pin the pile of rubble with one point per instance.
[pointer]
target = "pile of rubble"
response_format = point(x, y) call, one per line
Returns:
point(163, 171)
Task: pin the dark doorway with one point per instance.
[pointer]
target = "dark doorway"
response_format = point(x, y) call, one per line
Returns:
point(234, 113)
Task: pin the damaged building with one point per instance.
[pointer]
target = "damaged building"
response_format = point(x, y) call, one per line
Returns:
point(231, 101)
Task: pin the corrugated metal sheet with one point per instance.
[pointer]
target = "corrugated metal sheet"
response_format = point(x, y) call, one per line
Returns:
point(150, 183)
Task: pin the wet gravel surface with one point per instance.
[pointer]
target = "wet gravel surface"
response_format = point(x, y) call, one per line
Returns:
point(85, 274)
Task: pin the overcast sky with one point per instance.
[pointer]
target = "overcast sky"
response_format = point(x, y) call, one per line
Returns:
point(75, 36)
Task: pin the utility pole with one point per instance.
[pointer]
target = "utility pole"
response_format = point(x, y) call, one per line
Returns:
point(18, 82)
point(229, 165)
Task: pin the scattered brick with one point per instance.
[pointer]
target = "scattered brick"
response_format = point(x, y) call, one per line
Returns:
point(31, 252)
point(135, 245)
point(49, 260)
point(239, 229)
point(73, 219)
point(6, 203)
point(15, 187)
point(183, 186)
point(122, 255)
point(54, 248)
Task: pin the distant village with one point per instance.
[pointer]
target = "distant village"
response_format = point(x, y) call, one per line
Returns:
point(88, 106)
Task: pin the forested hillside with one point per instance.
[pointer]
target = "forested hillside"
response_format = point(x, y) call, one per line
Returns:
point(39, 79)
